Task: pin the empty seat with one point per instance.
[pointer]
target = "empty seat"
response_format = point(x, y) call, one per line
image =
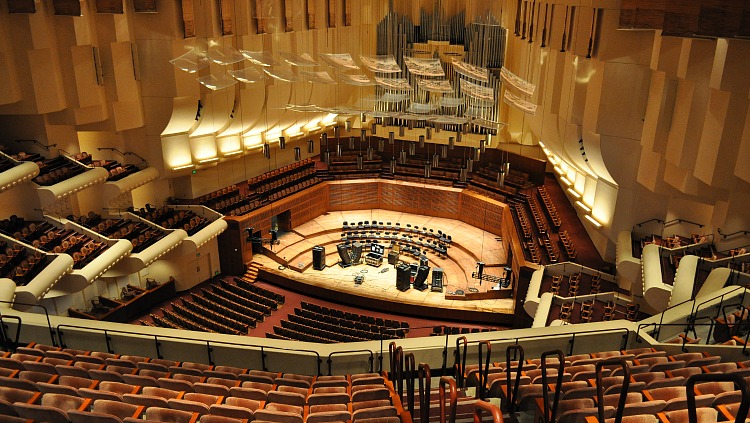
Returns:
point(170, 416)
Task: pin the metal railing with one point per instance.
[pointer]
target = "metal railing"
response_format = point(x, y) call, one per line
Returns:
point(46, 314)
point(209, 344)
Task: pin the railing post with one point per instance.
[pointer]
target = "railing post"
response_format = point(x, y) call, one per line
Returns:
point(157, 345)
point(320, 361)
point(572, 344)
point(330, 364)
point(107, 340)
point(209, 351)
point(263, 359)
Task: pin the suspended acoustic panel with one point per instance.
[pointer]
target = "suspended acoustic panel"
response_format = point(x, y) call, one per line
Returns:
point(720, 18)
point(310, 14)
point(144, 6)
point(67, 7)
point(109, 6)
point(642, 14)
point(681, 19)
point(21, 6)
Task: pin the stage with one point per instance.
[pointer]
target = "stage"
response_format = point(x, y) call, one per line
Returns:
point(463, 297)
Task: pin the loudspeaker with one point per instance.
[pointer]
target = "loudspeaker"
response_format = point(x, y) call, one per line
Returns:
point(356, 253)
point(437, 280)
point(393, 258)
point(480, 270)
point(419, 280)
point(319, 257)
point(403, 277)
point(346, 258)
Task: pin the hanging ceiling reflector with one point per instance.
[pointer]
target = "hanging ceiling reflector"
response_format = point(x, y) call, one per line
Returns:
point(381, 64)
point(394, 84)
point(519, 103)
point(281, 73)
point(517, 82)
point(261, 58)
point(224, 55)
point(473, 72)
point(435, 85)
point(356, 80)
point(320, 77)
point(297, 154)
point(216, 82)
point(192, 61)
point(297, 59)
point(247, 75)
point(424, 67)
point(340, 60)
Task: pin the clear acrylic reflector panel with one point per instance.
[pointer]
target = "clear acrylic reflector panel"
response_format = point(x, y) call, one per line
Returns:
point(358, 80)
point(216, 83)
point(435, 85)
point(247, 75)
point(471, 71)
point(451, 101)
point(381, 64)
point(343, 60)
point(321, 77)
point(192, 61)
point(261, 58)
point(394, 84)
point(282, 74)
point(424, 67)
point(297, 59)
point(224, 55)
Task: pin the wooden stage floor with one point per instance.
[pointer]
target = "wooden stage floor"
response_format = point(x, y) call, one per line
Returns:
point(469, 245)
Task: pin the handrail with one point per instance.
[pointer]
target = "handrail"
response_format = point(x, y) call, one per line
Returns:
point(393, 330)
point(483, 374)
point(425, 382)
point(209, 348)
point(46, 314)
point(725, 236)
point(649, 221)
point(410, 370)
point(398, 362)
point(459, 367)
point(717, 377)
point(512, 396)
point(695, 309)
point(371, 359)
point(684, 339)
point(516, 339)
point(683, 221)
point(479, 406)
point(623, 391)
point(391, 357)
point(445, 380)
point(550, 416)
point(9, 344)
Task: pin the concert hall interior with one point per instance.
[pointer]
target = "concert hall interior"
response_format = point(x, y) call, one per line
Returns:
point(253, 183)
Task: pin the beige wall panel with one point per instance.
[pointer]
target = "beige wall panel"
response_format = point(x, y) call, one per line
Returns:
point(697, 59)
point(622, 104)
point(667, 55)
point(48, 84)
point(687, 123)
point(741, 169)
point(85, 69)
point(613, 45)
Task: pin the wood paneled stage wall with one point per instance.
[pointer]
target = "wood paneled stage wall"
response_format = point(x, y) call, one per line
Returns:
point(446, 202)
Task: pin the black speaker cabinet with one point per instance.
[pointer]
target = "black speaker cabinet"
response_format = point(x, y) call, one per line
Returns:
point(403, 277)
point(346, 258)
point(419, 280)
point(437, 280)
point(357, 252)
point(393, 258)
point(319, 257)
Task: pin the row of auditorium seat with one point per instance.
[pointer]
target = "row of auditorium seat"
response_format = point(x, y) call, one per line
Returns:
point(140, 234)
point(20, 264)
point(355, 317)
point(657, 384)
point(223, 307)
point(44, 236)
point(89, 385)
point(56, 170)
point(333, 329)
point(171, 218)
point(550, 206)
point(116, 170)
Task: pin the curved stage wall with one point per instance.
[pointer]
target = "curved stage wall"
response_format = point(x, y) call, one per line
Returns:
point(429, 200)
